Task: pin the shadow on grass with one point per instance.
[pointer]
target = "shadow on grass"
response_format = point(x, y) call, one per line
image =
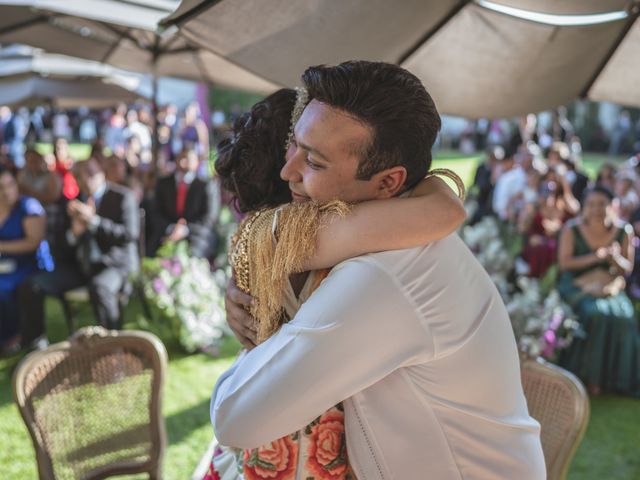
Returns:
point(7, 367)
point(183, 423)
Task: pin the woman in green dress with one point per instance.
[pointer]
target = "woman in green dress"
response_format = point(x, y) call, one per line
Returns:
point(595, 253)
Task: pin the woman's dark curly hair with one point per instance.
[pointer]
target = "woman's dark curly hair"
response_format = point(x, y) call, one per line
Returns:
point(249, 162)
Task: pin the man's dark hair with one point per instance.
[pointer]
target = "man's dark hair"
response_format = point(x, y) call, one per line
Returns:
point(598, 188)
point(392, 102)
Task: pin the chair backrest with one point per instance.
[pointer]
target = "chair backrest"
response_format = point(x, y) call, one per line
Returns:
point(558, 400)
point(93, 404)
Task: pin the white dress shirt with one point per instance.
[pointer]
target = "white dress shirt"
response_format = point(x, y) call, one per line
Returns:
point(418, 346)
point(508, 185)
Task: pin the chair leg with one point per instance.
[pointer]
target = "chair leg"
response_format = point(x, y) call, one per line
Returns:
point(68, 314)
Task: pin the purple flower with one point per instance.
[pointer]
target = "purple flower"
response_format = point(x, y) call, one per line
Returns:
point(176, 269)
point(165, 263)
point(550, 342)
point(556, 321)
point(158, 286)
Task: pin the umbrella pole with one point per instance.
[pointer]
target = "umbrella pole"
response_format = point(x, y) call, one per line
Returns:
point(155, 143)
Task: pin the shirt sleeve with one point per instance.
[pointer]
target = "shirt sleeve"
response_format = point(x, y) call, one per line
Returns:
point(32, 207)
point(357, 327)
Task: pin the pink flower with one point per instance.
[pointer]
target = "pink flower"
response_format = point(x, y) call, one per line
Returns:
point(327, 450)
point(274, 461)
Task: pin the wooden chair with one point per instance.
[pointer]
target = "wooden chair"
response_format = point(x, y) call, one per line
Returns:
point(93, 404)
point(558, 400)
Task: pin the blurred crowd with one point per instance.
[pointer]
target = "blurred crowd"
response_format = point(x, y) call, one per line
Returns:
point(70, 222)
point(538, 191)
point(578, 235)
point(619, 135)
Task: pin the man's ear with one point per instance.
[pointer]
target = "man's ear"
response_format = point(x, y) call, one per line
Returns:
point(390, 182)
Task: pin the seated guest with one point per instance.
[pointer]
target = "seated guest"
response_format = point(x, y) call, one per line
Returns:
point(484, 181)
point(594, 253)
point(97, 247)
point(115, 171)
point(626, 201)
point(510, 181)
point(607, 175)
point(22, 252)
point(541, 222)
point(38, 181)
point(186, 207)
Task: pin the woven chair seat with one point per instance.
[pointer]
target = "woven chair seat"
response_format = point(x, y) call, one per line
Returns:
point(92, 405)
point(559, 402)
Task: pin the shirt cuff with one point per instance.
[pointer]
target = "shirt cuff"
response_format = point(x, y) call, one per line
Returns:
point(71, 238)
point(93, 224)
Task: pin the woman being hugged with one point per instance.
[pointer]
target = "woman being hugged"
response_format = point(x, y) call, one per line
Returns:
point(279, 240)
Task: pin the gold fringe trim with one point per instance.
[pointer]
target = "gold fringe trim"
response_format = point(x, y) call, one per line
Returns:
point(262, 264)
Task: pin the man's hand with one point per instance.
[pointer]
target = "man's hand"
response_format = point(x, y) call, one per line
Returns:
point(179, 232)
point(240, 321)
point(82, 211)
point(78, 226)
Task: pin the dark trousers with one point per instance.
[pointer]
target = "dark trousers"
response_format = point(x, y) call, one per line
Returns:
point(105, 285)
point(8, 315)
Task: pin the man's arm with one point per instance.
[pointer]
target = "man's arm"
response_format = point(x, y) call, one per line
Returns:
point(115, 233)
point(357, 328)
point(202, 228)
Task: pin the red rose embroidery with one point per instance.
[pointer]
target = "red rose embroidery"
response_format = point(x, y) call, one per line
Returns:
point(211, 473)
point(274, 461)
point(327, 453)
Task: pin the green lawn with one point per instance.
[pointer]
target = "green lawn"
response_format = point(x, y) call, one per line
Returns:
point(610, 449)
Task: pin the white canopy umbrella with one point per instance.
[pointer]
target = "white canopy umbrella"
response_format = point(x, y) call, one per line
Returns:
point(30, 77)
point(122, 33)
point(32, 91)
point(477, 58)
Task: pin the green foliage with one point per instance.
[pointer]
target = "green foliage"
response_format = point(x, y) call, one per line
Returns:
point(232, 101)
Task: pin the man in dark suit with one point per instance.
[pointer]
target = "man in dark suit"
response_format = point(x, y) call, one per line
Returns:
point(96, 247)
point(186, 207)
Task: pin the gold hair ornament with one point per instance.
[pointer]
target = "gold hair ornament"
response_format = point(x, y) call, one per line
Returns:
point(302, 98)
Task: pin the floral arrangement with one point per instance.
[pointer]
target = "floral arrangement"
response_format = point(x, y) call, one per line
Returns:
point(187, 295)
point(542, 323)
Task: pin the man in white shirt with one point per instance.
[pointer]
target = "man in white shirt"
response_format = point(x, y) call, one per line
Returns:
point(416, 343)
point(511, 184)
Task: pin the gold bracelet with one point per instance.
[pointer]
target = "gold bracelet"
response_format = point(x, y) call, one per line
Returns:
point(450, 174)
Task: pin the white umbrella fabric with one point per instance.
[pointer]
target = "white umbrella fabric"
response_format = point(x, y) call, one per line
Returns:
point(29, 77)
point(63, 93)
point(477, 58)
point(122, 33)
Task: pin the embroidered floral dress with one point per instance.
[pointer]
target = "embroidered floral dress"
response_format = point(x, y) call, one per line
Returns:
point(318, 451)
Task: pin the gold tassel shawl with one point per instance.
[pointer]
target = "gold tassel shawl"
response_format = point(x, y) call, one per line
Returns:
point(268, 247)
